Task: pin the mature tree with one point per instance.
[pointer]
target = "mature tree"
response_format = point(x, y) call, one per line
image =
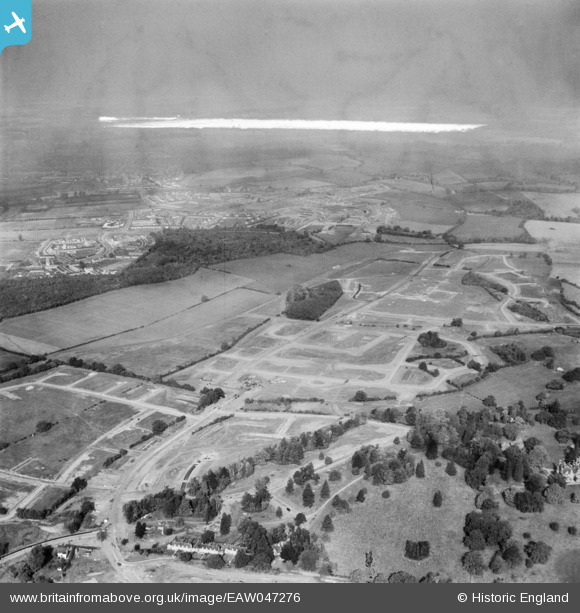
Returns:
point(432, 451)
point(420, 470)
point(215, 562)
point(225, 524)
point(538, 552)
point(325, 491)
point(360, 497)
point(438, 499)
point(158, 426)
point(38, 557)
point(279, 512)
point(241, 559)
point(140, 529)
point(360, 396)
point(290, 486)
point(451, 469)
point(475, 541)
point(307, 495)
point(309, 559)
point(457, 322)
point(512, 554)
point(327, 525)
point(554, 494)
point(300, 519)
point(207, 536)
point(78, 484)
point(473, 563)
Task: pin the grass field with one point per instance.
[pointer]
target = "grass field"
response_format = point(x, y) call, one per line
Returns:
point(555, 232)
point(508, 386)
point(487, 227)
point(383, 525)
point(557, 205)
point(280, 272)
point(77, 422)
point(116, 312)
point(180, 339)
point(566, 348)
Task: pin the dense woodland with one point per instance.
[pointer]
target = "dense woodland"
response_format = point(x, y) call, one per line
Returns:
point(311, 302)
point(174, 254)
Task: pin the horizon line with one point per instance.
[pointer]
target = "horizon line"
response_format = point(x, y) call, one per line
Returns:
point(284, 124)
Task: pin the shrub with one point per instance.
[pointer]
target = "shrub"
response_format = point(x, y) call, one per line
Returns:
point(327, 460)
point(527, 535)
point(402, 577)
point(555, 526)
point(335, 475)
point(437, 499)
point(417, 550)
point(386, 494)
point(397, 440)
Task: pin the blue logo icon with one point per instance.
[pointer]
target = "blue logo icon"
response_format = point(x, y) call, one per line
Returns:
point(15, 22)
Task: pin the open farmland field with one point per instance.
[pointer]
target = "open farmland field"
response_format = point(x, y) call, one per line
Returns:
point(557, 205)
point(278, 273)
point(120, 310)
point(383, 526)
point(488, 227)
point(77, 422)
point(480, 202)
point(556, 233)
point(180, 339)
point(420, 209)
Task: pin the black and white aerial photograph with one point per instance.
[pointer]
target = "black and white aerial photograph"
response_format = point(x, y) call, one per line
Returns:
point(290, 292)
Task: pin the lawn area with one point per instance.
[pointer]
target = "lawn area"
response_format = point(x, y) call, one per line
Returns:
point(383, 525)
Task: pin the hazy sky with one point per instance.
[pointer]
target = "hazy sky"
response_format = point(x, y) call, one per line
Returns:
point(424, 60)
